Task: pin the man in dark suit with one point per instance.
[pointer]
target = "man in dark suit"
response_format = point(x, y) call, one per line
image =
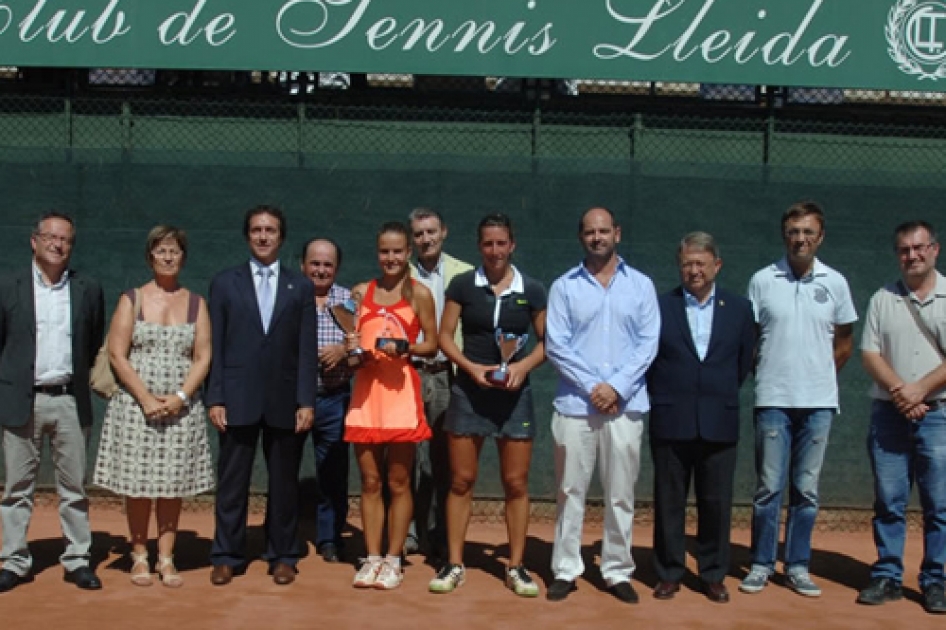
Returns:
point(52, 322)
point(707, 340)
point(262, 381)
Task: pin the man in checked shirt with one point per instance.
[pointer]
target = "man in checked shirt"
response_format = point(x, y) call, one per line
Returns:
point(321, 259)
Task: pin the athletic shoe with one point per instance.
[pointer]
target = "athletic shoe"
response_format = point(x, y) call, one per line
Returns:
point(388, 577)
point(934, 599)
point(800, 582)
point(520, 582)
point(450, 578)
point(755, 581)
point(367, 574)
point(880, 591)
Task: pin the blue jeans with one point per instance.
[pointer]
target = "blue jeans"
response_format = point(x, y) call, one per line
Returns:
point(789, 446)
point(902, 452)
point(331, 466)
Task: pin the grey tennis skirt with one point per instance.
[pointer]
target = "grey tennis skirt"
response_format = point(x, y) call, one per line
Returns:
point(478, 411)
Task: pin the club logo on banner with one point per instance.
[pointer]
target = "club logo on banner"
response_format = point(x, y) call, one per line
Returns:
point(916, 35)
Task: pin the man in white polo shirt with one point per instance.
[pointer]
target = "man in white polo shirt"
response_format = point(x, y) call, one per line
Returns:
point(805, 316)
point(904, 351)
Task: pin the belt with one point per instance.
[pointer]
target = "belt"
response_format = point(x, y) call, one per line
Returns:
point(55, 390)
point(431, 367)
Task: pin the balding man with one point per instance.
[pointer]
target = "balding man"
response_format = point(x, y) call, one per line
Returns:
point(321, 260)
point(601, 336)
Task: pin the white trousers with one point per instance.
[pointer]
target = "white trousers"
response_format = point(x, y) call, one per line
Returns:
point(615, 441)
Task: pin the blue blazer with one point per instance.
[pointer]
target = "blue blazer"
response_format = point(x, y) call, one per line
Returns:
point(262, 376)
point(692, 399)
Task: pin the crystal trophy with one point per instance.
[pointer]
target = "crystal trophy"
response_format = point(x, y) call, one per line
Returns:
point(509, 344)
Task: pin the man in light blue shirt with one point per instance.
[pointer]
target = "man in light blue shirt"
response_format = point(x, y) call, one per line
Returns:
point(601, 335)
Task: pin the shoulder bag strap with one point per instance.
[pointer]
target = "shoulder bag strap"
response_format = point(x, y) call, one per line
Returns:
point(920, 323)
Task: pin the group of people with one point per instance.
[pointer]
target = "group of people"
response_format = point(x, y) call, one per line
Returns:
point(418, 366)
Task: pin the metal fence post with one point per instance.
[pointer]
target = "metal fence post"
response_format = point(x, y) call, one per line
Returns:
point(300, 134)
point(536, 126)
point(127, 122)
point(637, 132)
point(70, 131)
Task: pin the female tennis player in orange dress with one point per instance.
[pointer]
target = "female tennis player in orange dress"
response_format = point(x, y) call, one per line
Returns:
point(385, 420)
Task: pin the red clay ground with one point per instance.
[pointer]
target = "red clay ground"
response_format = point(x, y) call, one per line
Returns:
point(322, 595)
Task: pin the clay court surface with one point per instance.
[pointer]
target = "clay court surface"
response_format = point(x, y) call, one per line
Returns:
point(322, 596)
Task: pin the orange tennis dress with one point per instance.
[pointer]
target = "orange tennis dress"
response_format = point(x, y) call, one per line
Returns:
point(386, 403)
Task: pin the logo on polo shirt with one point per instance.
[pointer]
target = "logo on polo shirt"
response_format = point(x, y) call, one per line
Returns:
point(821, 296)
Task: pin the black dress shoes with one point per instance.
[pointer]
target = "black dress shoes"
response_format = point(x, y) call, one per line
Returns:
point(221, 575)
point(283, 574)
point(716, 592)
point(8, 580)
point(84, 578)
point(624, 592)
point(559, 590)
point(666, 590)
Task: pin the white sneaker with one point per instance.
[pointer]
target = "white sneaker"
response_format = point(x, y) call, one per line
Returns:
point(388, 577)
point(367, 574)
point(520, 582)
point(450, 578)
point(755, 581)
point(801, 583)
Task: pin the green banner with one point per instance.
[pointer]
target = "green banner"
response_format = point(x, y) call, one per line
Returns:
point(879, 44)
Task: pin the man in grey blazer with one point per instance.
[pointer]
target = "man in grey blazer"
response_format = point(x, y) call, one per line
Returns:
point(52, 322)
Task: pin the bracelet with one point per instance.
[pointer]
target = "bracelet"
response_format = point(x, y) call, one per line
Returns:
point(184, 397)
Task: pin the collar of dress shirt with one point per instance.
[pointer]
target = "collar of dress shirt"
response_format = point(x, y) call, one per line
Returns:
point(692, 300)
point(256, 265)
point(38, 278)
point(438, 268)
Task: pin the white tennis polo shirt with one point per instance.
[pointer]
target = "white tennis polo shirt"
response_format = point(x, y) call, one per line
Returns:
point(796, 318)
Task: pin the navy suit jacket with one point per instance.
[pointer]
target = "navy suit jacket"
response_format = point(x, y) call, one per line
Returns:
point(18, 343)
point(262, 376)
point(692, 399)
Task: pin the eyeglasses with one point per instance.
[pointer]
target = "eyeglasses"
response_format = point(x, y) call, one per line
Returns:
point(919, 250)
point(806, 233)
point(48, 237)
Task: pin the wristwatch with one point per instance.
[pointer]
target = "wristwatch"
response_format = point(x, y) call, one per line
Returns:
point(184, 398)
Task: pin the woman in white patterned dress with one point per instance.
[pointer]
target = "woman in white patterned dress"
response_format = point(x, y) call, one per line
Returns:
point(154, 446)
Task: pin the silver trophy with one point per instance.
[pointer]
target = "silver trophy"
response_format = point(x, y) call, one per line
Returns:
point(392, 333)
point(509, 344)
point(345, 317)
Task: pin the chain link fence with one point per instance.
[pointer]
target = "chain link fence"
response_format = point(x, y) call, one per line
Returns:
point(296, 118)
